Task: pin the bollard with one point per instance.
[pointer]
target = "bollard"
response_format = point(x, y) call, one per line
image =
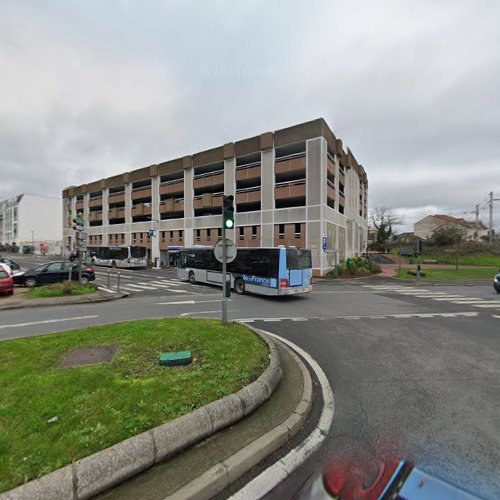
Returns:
point(118, 282)
point(109, 280)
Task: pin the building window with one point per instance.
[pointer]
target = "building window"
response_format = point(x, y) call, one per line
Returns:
point(209, 234)
point(180, 235)
point(254, 232)
point(298, 230)
point(281, 231)
point(219, 233)
point(242, 233)
point(198, 235)
point(163, 236)
point(171, 236)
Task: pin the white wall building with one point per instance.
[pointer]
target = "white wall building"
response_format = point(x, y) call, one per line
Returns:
point(30, 220)
point(473, 231)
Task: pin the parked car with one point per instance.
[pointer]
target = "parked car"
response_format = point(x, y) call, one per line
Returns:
point(54, 272)
point(386, 480)
point(6, 282)
point(496, 282)
point(11, 263)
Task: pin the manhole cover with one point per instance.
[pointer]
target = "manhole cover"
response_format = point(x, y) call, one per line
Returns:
point(90, 355)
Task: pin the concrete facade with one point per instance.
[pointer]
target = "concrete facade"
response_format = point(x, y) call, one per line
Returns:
point(31, 220)
point(295, 187)
point(473, 231)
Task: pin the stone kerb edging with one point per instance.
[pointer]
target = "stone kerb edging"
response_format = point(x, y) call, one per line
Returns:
point(224, 473)
point(102, 470)
point(63, 301)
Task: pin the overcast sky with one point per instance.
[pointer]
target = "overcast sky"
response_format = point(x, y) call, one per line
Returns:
point(89, 89)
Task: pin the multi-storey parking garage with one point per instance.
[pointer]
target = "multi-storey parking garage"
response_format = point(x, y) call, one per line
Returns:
point(295, 187)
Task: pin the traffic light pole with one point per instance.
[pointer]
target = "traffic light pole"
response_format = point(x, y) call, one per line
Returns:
point(224, 272)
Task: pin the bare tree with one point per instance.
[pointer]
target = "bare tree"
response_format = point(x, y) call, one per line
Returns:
point(384, 219)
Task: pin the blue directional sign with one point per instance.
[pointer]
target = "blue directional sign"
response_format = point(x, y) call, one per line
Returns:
point(324, 242)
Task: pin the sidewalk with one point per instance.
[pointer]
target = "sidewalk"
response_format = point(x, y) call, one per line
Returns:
point(233, 451)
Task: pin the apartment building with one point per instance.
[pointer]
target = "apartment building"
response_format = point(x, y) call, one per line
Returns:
point(296, 186)
point(31, 222)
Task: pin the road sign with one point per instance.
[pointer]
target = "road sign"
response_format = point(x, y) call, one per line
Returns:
point(151, 233)
point(230, 250)
point(324, 242)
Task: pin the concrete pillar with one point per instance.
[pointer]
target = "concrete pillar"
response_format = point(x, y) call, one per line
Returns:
point(230, 186)
point(105, 216)
point(86, 210)
point(187, 163)
point(267, 197)
point(316, 158)
point(128, 213)
point(155, 217)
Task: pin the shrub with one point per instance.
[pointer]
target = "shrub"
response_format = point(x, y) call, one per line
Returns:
point(67, 287)
point(357, 266)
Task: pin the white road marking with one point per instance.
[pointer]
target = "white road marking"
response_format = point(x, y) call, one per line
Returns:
point(189, 302)
point(166, 283)
point(280, 470)
point(450, 297)
point(18, 325)
point(106, 289)
point(470, 301)
point(492, 306)
point(142, 287)
point(175, 303)
point(496, 316)
point(203, 312)
point(129, 289)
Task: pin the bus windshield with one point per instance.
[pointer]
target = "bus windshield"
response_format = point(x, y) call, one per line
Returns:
point(298, 259)
point(137, 252)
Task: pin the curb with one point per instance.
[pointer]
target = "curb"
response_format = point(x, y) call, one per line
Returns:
point(224, 473)
point(96, 473)
point(90, 300)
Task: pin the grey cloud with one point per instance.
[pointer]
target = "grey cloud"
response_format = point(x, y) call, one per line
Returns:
point(98, 88)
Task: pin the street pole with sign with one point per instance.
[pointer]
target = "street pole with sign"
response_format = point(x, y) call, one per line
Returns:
point(227, 223)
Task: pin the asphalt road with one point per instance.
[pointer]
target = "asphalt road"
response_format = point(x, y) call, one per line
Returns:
point(414, 369)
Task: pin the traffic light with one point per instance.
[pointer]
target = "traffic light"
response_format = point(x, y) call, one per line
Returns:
point(78, 222)
point(228, 212)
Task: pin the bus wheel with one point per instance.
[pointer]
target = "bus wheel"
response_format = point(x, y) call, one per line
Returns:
point(192, 278)
point(113, 265)
point(239, 286)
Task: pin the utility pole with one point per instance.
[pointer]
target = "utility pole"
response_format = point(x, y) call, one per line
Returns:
point(490, 205)
point(477, 213)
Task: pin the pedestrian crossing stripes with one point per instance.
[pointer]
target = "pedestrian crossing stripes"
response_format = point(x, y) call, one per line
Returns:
point(466, 314)
point(172, 285)
point(422, 293)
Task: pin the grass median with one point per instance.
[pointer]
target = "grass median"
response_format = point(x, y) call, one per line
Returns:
point(63, 289)
point(478, 273)
point(102, 404)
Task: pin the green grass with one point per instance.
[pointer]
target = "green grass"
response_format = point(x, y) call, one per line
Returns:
point(451, 274)
point(482, 259)
point(103, 404)
point(59, 290)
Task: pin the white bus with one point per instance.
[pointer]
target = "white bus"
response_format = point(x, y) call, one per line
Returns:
point(124, 256)
point(266, 271)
